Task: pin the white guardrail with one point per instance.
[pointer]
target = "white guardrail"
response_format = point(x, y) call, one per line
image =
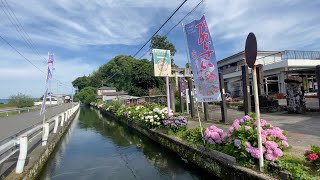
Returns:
point(31, 136)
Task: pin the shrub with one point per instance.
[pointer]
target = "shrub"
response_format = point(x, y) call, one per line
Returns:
point(176, 123)
point(20, 100)
point(242, 141)
point(313, 155)
point(193, 136)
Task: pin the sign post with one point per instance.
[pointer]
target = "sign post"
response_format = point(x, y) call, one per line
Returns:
point(251, 55)
point(162, 68)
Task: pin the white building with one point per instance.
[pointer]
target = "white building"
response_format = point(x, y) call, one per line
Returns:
point(277, 66)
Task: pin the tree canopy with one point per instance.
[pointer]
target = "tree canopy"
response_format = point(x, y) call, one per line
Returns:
point(161, 42)
point(86, 95)
point(124, 73)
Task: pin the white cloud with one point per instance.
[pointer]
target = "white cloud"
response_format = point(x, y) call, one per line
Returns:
point(17, 75)
point(278, 25)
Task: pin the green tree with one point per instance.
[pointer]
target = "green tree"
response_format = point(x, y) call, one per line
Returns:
point(20, 100)
point(81, 82)
point(86, 95)
point(161, 42)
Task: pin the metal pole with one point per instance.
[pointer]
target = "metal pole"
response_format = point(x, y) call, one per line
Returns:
point(223, 100)
point(257, 109)
point(318, 81)
point(168, 94)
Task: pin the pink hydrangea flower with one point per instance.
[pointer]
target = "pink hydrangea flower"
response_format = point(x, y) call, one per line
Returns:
point(255, 153)
point(247, 128)
point(278, 152)
point(284, 143)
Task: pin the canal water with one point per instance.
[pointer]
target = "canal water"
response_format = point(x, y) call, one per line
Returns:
point(97, 147)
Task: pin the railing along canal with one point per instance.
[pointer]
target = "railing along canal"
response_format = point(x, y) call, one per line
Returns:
point(31, 136)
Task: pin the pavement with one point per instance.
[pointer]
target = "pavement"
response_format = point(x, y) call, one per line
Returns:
point(13, 124)
point(303, 129)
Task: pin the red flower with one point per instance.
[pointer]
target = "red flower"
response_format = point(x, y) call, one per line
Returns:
point(313, 157)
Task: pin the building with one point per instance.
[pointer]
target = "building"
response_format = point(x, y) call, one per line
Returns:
point(277, 66)
point(108, 94)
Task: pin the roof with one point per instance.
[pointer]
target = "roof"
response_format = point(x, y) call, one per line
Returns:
point(107, 88)
point(242, 52)
point(114, 93)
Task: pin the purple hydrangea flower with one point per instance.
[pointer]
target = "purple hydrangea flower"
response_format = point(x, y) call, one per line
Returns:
point(237, 142)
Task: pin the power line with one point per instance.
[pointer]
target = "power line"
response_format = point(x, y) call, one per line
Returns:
point(17, 51)
point(6, 8)
point(161, 27)
point(188, 14)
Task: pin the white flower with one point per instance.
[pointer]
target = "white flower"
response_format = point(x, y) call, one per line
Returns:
point(142, 118)
point(151, 120)
point(146, 120)
point(129, 112)
point(150, 112)
point(158, 123)
point(155, 116)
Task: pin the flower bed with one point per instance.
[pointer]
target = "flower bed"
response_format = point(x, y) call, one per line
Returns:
point(240, 141)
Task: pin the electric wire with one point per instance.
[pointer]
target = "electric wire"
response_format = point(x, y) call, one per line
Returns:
point(188, 14)
point(160, 27)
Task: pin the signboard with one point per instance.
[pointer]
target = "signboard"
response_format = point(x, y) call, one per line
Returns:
point(251, 50)
point(162, 62)
point(203, 61)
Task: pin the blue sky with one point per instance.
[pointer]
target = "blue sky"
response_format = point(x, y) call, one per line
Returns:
point(84, 35)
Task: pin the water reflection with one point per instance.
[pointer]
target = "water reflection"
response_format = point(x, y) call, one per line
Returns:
point(100, 148)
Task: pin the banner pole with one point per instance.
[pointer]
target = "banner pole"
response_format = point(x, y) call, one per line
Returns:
point(257, 109)
point(168, 95)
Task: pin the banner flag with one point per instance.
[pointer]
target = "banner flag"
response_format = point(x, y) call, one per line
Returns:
point(43, 105)
point(203, 61)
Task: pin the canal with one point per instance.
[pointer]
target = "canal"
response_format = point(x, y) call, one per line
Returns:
point(97, 147)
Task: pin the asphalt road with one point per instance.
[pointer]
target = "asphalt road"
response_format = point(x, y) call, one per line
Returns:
point(13, 124)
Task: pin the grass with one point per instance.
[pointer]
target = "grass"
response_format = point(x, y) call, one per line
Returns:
point(299, 168)
point(6, 106)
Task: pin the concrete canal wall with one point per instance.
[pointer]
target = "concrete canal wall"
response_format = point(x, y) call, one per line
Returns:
point(39, 155)
point(215, 162)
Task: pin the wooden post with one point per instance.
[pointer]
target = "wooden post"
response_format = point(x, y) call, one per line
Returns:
point(206, 112)
point(172, 99)
point(260, 78)
point(318, 81)
point(246, 90)
point(223, 100)
point(181, 97)
point(190, 86)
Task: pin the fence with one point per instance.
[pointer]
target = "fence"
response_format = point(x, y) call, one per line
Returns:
point(31, 136)
point(19, 110)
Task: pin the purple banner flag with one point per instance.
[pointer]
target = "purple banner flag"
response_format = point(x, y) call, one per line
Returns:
point(183, 86)
point(203, 61)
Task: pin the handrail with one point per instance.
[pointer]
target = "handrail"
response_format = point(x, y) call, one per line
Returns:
point(11, 145)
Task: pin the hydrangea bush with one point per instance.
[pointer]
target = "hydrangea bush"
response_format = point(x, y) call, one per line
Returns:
point(313, 156)
point(242, 140)
point(176, 123)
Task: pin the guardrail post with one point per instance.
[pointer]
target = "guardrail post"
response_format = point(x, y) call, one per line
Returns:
point(45, 134)
point(23, 153)
point(62, 119)
point(56, 124)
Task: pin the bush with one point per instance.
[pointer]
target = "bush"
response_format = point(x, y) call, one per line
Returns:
point(176, 123)
point(313, 156)
point(87, 95)
point(296, 168)
point(20, 100)
point(193, 136)
point(242, 140)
